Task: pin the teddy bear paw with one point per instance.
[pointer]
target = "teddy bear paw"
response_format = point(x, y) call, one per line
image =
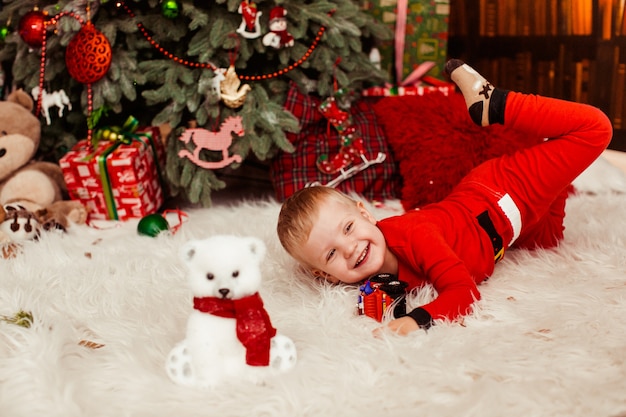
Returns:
point(78, 213)
point(178, 365)
point(283, 355)
point(52, 225)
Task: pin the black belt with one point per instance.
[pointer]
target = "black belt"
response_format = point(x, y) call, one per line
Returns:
point(496, 240)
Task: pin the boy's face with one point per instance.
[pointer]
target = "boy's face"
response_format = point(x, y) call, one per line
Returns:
point(344, 244)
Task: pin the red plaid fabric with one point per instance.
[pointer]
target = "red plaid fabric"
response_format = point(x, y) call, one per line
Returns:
point(292, 171)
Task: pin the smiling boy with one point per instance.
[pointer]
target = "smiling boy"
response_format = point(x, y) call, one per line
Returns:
point(512, 201)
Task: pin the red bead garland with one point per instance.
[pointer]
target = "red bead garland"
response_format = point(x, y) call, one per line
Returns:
point(42, 68)
point(208, 65)
point(42, 65)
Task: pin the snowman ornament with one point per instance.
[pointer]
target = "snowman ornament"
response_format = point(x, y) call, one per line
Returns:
point(278, 37)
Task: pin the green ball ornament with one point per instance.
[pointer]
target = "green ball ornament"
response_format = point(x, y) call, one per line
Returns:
point(170, 9)
point(4, 32)
point(152, 224)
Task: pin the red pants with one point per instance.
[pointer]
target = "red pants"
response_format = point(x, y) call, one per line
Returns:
point(538, 178)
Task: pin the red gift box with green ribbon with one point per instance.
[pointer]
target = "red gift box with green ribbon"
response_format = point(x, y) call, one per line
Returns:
point(117, 176)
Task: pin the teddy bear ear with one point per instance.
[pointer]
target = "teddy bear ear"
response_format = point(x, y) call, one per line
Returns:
point(256, 247)
point(188, 251)
point(22, 98)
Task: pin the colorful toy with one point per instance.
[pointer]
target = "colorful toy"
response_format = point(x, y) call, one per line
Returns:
point(35, 186)
point(229, 333)
point(379, 293)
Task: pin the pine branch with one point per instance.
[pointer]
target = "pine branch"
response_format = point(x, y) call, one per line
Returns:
point(157, 88)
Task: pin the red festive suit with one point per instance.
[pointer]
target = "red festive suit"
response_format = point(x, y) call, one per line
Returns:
point(516, 200)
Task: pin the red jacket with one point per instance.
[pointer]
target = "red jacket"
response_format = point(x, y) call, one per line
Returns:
point(444, 244)
point(514, 198)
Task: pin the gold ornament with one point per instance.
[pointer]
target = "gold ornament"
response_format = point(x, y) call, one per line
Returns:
point(233, 94)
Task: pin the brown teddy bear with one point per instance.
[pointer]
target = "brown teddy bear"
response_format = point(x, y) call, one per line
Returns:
point(34, 186)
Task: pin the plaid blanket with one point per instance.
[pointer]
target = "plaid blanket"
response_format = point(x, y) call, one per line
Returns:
point(290, 172)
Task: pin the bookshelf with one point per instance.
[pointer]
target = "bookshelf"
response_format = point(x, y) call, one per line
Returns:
point(571, 49)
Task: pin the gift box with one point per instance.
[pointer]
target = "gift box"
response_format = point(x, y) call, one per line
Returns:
point(117, 180)
point(421, 34)
point(425, 86)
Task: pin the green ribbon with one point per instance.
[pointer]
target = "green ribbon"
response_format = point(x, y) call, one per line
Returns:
point(107, 190)
point(123, 135)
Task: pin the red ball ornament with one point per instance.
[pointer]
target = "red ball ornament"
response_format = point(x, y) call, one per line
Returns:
point(32, 28)
point(88, 55)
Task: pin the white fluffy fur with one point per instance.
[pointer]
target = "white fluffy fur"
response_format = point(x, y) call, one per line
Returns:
point(547, 339)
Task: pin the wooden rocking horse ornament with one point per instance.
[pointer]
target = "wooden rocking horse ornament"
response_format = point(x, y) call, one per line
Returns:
point(213, 141)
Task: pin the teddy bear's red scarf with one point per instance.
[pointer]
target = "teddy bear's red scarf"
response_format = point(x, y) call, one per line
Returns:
point(254, 328)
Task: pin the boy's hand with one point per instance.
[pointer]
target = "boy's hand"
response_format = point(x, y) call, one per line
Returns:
point(402, 326)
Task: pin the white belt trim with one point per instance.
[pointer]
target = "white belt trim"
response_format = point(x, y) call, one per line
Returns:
point(510, 210)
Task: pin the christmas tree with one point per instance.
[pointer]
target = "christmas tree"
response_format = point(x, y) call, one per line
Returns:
point(186, 63)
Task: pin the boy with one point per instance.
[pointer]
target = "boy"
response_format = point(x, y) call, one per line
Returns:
point(516, 200)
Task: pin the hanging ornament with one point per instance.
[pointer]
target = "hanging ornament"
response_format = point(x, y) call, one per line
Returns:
point(250, 27)
point(278, 37)
point(170, 9)
point(209, 65)
point(57, 99)
point(88, 55)
point(32, 28)
point(233, 94)
point(352, 149)
point(218, 141)
point(4, 32)
point(216, 82)
point(350, 159)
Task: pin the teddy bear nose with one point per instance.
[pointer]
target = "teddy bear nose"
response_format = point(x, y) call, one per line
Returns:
point(224, 292)
point(2, 152)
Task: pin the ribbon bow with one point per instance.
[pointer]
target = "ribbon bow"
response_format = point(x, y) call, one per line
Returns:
point(124, 134)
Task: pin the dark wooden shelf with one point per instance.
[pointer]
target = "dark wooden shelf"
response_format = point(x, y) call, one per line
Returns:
point(585, 68)
point(619, 141)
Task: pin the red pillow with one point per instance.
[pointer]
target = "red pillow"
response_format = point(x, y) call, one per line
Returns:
point(290, 172)
point(436, 143)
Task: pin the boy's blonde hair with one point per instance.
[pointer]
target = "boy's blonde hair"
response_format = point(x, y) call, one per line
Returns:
point(299, 213)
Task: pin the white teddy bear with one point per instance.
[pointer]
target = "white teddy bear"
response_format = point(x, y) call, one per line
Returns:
point(229, 333)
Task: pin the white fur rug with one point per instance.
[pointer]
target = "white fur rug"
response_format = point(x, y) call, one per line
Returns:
point(548, 338)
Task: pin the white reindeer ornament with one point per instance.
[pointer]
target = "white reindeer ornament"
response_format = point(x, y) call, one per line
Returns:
point(48, 100)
